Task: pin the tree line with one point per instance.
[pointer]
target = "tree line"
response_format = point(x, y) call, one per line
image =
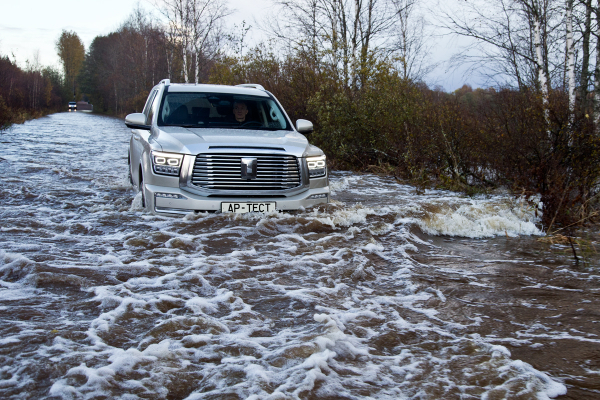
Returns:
point(35, 90)
point(357, 70)
point(28, 93)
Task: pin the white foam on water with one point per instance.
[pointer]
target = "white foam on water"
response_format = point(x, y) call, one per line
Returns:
point(312, 354)
point(136, 204)
point(340, 184)
point(446, 213)
point(480, 219)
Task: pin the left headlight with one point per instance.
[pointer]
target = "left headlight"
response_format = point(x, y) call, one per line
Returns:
point(166, 163)
point(317, 166)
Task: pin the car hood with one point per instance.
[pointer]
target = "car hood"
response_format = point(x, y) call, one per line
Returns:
point(201, 140)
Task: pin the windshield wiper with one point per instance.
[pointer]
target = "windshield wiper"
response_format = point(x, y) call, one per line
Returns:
point(186, 125)
point(256, 128)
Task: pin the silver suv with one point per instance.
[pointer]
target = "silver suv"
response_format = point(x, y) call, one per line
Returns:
point(222, 148)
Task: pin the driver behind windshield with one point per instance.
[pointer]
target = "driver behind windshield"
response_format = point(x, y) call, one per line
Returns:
point(240, 110)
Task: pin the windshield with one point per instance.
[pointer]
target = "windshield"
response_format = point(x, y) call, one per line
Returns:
point(221, 110)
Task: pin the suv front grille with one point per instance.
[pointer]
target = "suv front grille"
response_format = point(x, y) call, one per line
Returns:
point(224, 172)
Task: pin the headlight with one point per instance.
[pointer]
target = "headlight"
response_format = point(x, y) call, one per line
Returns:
point(317, 166)
point(166, 163)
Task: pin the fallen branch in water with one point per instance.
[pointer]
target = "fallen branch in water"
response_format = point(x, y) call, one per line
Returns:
point(595, 213)
point(574, 252)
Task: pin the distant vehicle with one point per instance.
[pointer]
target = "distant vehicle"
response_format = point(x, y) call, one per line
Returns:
point(72, 106)
point(84, 106)
point(222, 148)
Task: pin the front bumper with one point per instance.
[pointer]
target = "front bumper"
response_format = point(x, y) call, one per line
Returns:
point(187, 202)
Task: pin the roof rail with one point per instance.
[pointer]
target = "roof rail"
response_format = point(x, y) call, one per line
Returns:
point(252, 86)
point(167, 82)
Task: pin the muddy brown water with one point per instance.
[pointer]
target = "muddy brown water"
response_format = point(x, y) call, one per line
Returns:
point(382, 294)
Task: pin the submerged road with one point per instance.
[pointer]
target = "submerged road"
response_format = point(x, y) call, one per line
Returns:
point(382, 294)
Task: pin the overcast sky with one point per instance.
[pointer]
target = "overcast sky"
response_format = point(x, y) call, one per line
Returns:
point(31, 26)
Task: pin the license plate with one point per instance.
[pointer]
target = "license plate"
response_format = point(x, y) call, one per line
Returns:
point(240, 208)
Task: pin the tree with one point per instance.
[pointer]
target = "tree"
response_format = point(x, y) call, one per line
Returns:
point(511, 42)
point(346, 35)
point(597, 68)
point(537, 12)
point(71, 51)
point(121, 68)
point(570, 56)
point(586, 34)
point(194, 26)
point(411, 46)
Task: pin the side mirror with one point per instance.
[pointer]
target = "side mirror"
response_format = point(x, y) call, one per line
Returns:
point(136, 121)
point(304, 126)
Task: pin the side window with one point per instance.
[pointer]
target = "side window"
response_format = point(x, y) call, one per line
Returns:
point(152, 109)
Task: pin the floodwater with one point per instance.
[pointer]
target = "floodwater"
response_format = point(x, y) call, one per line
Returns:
point(386, 293)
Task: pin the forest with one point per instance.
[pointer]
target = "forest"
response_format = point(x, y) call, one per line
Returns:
point(358, 70)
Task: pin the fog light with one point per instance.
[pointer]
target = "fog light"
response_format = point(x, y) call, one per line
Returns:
point(318, 196)
point(169, 195)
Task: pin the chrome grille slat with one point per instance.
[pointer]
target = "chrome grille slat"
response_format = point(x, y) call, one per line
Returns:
point(249, 183)
point(253, 184)
point(274, 168)
point(236, 177)
point(223, 172)
point(257, 156)
point(246, 187)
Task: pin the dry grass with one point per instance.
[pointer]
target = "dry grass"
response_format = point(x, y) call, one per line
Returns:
point(584, 249)
point(555, 239)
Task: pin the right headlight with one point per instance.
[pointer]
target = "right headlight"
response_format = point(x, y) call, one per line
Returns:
point(317, 166)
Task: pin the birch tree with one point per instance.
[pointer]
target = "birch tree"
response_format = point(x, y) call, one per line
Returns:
point(205, 17)
point(343, 33)
point(537, 10)
point(514, 42)
point(570, 50)
point(585, 52)
point(597, 68)
point(177, 14)
point(193, 27)
point(411, 46)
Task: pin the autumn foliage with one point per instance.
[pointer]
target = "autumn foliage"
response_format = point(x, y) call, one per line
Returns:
point(71, 52)
point(27, 93)
point(469, 140)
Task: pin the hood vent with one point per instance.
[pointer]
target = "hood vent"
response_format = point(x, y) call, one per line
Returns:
point(247, 148)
